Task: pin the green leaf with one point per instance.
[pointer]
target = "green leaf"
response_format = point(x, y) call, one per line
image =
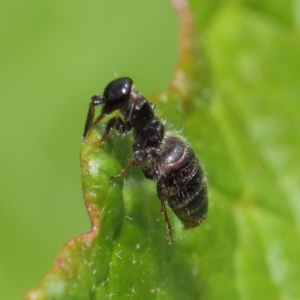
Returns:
point(255, 141)
point(235, 97)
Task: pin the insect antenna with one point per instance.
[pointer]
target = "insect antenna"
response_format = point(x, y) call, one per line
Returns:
point(96, 100)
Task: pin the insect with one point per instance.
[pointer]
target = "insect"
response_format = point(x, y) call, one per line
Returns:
point(163, 157)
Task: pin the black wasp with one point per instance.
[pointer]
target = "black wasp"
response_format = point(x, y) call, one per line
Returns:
point(163, 157)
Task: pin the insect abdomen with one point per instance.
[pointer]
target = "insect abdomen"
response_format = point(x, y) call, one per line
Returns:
point(183, 182)
point(190, 203)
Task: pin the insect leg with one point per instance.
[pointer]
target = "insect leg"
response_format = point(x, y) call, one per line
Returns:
point(149, 172)
point(98, 119)
point(132, 163)
point(168, 225)
point(120, 126)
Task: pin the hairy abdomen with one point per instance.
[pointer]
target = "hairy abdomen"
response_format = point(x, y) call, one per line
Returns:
point(181, 182)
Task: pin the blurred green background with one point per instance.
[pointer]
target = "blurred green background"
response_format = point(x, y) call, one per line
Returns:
point(54, 55)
